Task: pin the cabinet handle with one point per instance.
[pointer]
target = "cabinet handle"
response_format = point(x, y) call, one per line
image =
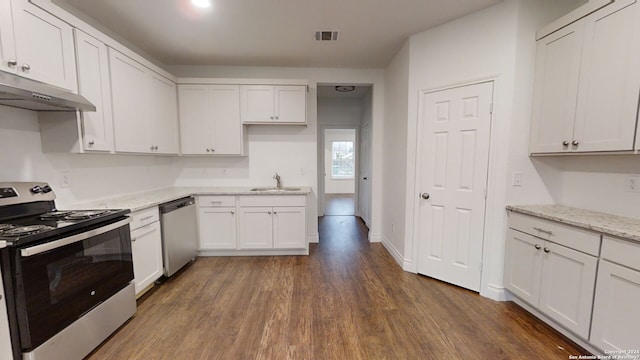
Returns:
point(146, 218)
point(543, 230)
point(269, 212)
point(208, 150)
point(274, 213)
point(133, 239)
point(277, 117)
point(12, 62)
point(91, 142)
point(547, 250)
point(537, 246)
point(565, 143)
point(232, 212)
point(575, 143)
point(26, 67)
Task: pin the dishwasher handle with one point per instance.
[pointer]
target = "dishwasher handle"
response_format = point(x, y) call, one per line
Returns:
point(176, 204)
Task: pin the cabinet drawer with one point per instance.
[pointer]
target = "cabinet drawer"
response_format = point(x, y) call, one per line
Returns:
point(217, 201)
point(273, 200)
point(623, 252)
point(569, 236)
point(144, 217)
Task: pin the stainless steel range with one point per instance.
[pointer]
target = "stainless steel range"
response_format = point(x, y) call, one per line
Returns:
point(67, 274)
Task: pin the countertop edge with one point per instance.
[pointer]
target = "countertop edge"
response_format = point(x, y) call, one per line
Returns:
point(145, 200)
point(603, 229)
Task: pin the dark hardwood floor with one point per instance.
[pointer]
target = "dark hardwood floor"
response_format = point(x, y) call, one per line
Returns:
point(339, 204)
point(347, 300)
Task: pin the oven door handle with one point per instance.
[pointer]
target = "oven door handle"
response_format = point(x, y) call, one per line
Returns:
point(34, 250)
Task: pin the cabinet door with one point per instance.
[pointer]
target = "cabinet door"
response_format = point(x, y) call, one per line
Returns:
point(196, 119)
point(291, 104)
point(289, 230)
point(129, 97)
point(255, 229)
point(258, 105)
point(227, 126)
point(616, 313)
point(162, 120)
point(217, 228)
point(523, 265)
point(93, 84)
point(44, 46)
point(7, 45)
point(566, 292)
point(609, 79)
point(146, 249)
point(556, 90)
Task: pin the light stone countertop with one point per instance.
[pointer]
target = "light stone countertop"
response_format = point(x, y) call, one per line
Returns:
point(603, 223)
point(144, 200)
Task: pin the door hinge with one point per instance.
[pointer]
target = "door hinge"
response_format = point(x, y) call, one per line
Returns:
point(491, 108)
point(485, 192)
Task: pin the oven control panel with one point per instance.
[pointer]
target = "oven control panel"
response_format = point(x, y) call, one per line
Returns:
point(8, 192)
point(25, 192)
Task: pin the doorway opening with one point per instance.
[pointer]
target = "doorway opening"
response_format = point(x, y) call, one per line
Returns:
point(339, 172)
point(344, 145)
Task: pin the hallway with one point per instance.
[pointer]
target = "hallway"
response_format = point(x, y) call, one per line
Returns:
point(339, 204)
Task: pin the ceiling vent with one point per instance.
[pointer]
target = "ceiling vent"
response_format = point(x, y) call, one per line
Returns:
point(326, 35)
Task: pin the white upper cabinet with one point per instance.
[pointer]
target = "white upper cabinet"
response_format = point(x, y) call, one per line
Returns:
point(163, 114)
point(210, 119)
point(36, 45)
point(93, 84)
point(587, 83)
point(144, 108)
point(267, 104)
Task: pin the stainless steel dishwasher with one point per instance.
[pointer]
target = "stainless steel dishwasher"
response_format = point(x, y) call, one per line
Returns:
point(179, 234)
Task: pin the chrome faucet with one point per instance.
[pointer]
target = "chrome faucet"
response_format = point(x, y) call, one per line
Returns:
point(278, 182)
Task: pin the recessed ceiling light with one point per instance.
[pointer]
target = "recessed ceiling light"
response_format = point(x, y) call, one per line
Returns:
point(345, 88)
point(201, 3)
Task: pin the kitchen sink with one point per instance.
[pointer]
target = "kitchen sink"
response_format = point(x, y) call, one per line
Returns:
point(275, 189)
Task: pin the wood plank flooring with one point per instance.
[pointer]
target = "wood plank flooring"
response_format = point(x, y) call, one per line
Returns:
point(339, 204)
point(347, 300)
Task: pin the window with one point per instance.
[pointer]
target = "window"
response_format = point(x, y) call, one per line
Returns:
point(342, 162)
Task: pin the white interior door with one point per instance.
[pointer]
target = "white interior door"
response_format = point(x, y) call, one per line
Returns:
point(453, 161)
point(364, 188)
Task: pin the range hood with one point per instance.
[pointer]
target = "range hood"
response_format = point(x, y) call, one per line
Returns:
point(24, 93)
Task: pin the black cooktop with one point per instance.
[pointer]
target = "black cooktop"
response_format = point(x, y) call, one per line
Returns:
point(50, 225)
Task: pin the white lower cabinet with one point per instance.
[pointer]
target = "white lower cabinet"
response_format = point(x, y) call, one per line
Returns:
point(272, 227)
point(146, 249)
point(553, 278)
point(217, 222)
point(247, 224)
point(616, 311)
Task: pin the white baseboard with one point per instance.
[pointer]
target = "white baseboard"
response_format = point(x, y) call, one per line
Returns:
point(409, 266)
point(395, 254)
point(266, 252)
point(375, 238)
point(313, 239)
point(578, 340)
point(494, 292)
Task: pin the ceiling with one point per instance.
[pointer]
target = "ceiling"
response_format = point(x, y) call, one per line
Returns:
point(272, 32)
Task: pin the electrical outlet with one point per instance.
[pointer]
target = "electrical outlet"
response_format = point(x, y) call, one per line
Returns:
point(65, 179)
point(632, 183)
point(517, 179)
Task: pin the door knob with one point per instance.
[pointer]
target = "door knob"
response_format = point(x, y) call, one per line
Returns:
point(425, 196)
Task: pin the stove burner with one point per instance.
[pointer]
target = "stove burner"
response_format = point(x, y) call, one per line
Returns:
point(5, 227)
point(55, 215)
point(26, 230)
point(81, 215)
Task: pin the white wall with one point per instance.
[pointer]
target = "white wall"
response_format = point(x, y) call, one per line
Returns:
point(287, 150)
point(331, 185)
point(90, 176)
point(496, 43)
point(395, 155)
point(337, 112)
